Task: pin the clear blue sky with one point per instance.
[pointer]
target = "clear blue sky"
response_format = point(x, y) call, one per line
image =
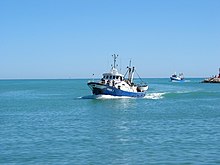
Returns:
point(76, 38)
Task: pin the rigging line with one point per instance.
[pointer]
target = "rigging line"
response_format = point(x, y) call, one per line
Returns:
point(125, 73)
point(139, 76)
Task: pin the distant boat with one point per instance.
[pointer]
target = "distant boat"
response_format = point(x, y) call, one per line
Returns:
point(177, 78)
point(115, 84)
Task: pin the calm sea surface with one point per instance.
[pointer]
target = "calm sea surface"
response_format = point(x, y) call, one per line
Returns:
point(58, 122)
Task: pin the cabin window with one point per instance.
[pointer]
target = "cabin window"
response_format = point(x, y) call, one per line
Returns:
point(117, 77)
point(106, 77)
point(113, 77)
point(110, 77)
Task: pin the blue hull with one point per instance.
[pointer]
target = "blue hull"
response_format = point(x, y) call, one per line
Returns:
point(100, 89)
point(176, 80)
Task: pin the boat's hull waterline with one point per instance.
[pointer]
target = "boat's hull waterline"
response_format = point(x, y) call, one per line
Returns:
point(176, 79)
point(101, 89)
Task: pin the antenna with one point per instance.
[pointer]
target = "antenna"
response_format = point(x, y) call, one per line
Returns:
point(130, 63)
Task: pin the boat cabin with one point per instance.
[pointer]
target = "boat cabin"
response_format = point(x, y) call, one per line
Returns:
point(109, 76)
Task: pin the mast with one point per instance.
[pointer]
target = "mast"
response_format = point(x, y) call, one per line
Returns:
point(114, 57)
point(130, 72)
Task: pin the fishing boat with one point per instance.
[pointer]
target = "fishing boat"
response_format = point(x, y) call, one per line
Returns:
point(116, 84)
point(177, 78)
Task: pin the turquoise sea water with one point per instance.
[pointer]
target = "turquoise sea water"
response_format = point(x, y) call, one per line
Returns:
point(58, 122)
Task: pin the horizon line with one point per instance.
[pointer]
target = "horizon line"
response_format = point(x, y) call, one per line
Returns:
point(90, 78)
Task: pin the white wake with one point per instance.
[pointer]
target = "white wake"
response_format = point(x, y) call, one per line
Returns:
point(154, 96)
point(147, 96)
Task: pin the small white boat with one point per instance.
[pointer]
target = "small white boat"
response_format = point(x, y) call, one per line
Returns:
point(177, 78)
point(115, 84)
